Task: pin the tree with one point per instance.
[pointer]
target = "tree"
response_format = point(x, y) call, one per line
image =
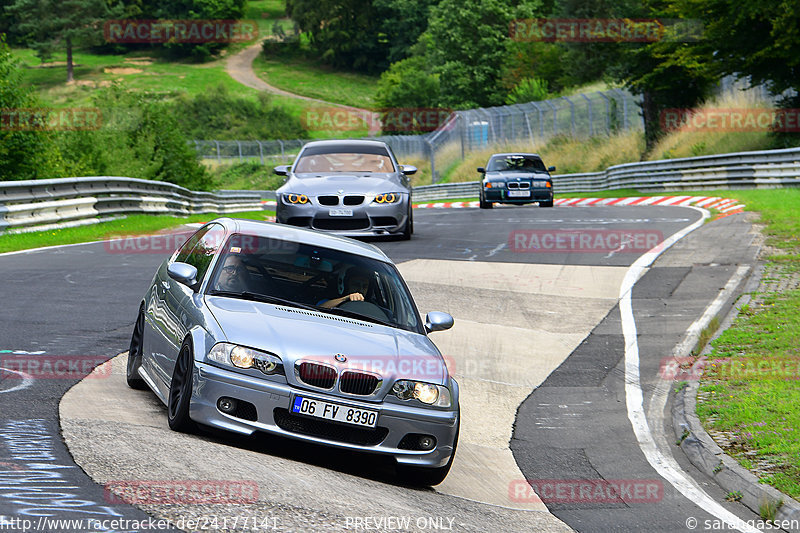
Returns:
point(23, 154)
point(757, 39)
point(466, 44)
point(51, 24)
point(344, 33)
point(669, 73)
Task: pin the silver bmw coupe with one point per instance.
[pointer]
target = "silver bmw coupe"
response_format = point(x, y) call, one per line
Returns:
point(261, 327)
point(354, 188)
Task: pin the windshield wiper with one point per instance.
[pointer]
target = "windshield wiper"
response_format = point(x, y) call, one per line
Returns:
point(359, 316)
point(266, 298)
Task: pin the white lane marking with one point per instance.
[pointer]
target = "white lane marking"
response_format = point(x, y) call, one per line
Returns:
point(666, 466)
point(27, 380)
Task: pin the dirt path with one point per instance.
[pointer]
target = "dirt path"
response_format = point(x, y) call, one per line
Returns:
point(240, 68)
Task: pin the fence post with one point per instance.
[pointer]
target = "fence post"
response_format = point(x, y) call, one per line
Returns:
point(219, 156)
point(431, 154)
point(589, 109)
point(555, 116)
point(282, 153)
point(261, 151)
point(571, 114)
point(608, 111)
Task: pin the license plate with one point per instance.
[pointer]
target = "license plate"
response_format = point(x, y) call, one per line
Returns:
point(336, 412)
point(341, 212)
point(519, 194)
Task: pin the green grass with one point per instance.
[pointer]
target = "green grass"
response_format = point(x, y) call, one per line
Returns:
point(131, 225)
point(309, 78)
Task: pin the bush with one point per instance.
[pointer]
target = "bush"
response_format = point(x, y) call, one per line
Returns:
point(528, 90)
point(139, 138)
point(219, 115)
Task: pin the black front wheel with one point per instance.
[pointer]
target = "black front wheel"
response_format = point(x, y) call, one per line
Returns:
point(483, 204)
point(180, 391)
point(135, 351)
point(546, 204)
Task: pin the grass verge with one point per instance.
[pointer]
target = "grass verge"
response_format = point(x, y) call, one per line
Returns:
point(131, 225)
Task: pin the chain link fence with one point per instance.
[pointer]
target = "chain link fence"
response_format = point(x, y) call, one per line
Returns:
point(580, 116)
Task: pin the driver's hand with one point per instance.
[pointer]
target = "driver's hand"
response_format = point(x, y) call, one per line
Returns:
point(356, 297)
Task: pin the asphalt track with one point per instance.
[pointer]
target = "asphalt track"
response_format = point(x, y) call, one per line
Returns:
point(535, 328)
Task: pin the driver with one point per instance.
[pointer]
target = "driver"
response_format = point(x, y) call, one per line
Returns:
point(356, 283)
point(233, 276)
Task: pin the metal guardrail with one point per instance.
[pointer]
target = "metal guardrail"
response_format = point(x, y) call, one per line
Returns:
point(743, 170)
point(72, 201)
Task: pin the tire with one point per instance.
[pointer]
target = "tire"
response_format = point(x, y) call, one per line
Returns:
point(132, 376)
point(180, 391)
point(409, 227)
point(484, 204)
point(428, 477)
point(546, 204)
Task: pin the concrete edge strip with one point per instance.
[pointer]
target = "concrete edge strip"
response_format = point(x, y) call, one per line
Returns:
point(723, 204)
point(666, 466)
point(705, 454)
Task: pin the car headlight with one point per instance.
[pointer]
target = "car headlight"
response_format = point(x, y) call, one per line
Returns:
point(494, 185)
point(242, 357)
point(427, 393)
point(388, 198)
point(293, 198)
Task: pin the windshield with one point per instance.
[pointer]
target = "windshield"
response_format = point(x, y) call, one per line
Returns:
point(346, 158)
point(516, 163)
point(327, 280)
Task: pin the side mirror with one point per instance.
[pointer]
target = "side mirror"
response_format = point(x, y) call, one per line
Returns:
point(183, 273)
point(438, 321)
point(408, 169)
point(282, 170)
point(551, 169)
point(482, 170)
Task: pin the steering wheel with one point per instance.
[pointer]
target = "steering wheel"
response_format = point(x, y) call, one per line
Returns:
point(365, 308)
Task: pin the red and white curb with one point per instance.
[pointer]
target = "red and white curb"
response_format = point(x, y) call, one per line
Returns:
point(724, 205)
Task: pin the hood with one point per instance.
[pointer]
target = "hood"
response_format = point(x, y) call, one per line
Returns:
point(349, 183)
point(515, 175)
point(298, 335)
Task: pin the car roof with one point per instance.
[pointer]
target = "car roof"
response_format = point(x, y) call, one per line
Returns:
point(537, 156)
point(285, 232)
point(364, 142)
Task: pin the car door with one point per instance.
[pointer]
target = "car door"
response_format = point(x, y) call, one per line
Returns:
point(156, 344)
point(178, 307)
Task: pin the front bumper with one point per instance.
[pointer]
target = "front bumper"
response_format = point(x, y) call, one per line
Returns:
point(501, 195)
point(369, 219)
point(272, 403)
